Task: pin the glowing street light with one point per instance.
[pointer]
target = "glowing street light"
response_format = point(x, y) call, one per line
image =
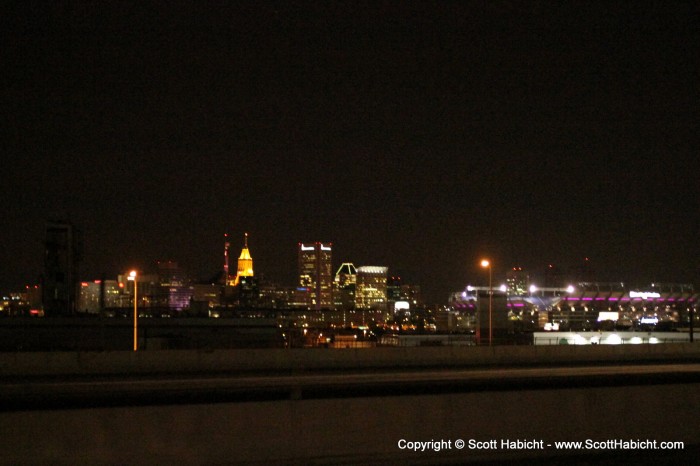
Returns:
point(486, 264)
point(132, 277)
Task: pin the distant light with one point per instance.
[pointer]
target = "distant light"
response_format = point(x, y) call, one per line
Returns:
point(570, 289)
point(399, 305)
point(485, 263)
point(470, 288)
point(644, 294)
point(503, 288)
point(580, 340)
point(608, 315)
point(533, 288)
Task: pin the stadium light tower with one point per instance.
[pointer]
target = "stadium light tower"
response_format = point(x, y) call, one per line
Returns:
point(487, 265)
point(132, 277)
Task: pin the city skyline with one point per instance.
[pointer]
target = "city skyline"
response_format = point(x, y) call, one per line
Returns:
point(420, 137)
point(232, 269)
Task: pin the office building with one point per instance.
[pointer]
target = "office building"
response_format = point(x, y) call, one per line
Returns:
point(403, 293)
point(315, 290)
point(517, 282)
point(60, 278)
point(344, 285)
point(371, 290)
point(98, 295)
point(175, 288)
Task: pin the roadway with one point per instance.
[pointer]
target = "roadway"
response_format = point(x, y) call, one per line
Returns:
point(79, 392)
point(346, 406)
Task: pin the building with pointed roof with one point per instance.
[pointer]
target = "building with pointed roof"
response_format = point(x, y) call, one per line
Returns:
point(245, 263)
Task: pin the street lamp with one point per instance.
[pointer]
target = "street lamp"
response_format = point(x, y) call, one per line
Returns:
point(132, 277)
point(486, 264)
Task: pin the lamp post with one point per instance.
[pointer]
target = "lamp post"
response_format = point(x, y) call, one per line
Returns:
point(486, 264)
point(692, 316)
point(132, 277)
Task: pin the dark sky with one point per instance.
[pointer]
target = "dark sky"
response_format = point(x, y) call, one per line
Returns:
point(415, 135)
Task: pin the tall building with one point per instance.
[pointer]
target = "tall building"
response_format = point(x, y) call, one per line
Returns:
point(175, 288)
point(398, 291)
point(517, 281)
point(98, 295)
point(315, 275)
point(371, 291)
point(242, 289)
point(245, 263)
point(344, 286)
point(62, 250)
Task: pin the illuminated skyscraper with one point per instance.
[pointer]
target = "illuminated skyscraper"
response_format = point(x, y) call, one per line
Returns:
point(97, 295)
point(175, 289)
point(316, 275)
point(397, 291)
point(245, 263)
point(371, 288)
point(241, 290)
point(517, 281)
point(344, 286)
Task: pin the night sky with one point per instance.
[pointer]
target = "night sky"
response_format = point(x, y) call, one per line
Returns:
point(415, 135)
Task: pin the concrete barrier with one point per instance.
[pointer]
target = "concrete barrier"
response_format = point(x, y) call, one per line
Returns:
point(295, 360)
